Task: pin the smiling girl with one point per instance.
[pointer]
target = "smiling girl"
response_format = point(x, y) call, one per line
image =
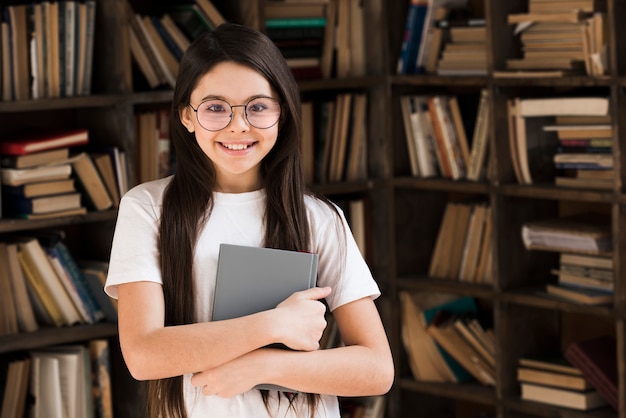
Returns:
point(236, 132)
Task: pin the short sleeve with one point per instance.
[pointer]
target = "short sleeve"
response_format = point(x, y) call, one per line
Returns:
point(134, 253)
point(341, 265)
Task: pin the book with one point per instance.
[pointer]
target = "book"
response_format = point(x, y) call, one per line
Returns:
point(550, 378)
point(45, 386)
point(554, 362)
point(585, 296)
point(15, 391)
point(21, 176)
point(99, 355)
point(94, 280)
point(106, 169)
point(580, 400)
point(597, 358)
point(42, 141)
point(564, 106)
point(17, 206)
point(214, 15)
point(90, 182)
point(43, 188)
point(8, 311)
point(267, 278)
point(568, 234)
point(35, 158)
point(588, 261)
point(60, 253)
point(26, 319)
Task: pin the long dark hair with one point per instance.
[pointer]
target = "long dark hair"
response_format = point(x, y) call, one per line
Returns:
point(188, 199)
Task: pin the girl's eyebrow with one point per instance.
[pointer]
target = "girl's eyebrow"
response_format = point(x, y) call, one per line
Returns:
point(217, 97)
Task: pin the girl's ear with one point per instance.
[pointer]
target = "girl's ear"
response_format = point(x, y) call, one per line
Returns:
point(186, 118)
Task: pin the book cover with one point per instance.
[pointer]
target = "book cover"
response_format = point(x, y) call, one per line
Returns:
point(267, 277)
point(597, 358)
point(41, 141)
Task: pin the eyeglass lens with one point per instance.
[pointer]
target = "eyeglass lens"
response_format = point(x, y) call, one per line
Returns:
point(261, 112)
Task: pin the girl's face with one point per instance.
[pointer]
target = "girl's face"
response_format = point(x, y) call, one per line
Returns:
point(237, 150)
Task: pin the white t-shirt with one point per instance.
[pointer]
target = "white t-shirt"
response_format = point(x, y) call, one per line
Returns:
point(235, 219)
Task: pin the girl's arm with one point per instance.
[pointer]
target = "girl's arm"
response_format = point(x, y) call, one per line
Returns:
point(153, 351)
point(363, 367)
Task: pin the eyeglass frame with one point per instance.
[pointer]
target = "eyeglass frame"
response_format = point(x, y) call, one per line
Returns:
point(232, 113)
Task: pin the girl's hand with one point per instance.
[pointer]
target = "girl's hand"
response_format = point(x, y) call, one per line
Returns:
point(301, 319)
point(230, 379)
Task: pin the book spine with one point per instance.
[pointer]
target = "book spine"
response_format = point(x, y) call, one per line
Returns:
point(68, 262)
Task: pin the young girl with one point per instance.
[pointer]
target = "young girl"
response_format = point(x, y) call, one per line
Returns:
point(236, 131)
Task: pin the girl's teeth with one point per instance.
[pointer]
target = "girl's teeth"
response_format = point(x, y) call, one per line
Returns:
point(236, 147)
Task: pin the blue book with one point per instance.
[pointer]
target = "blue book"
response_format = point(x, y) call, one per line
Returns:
point(60, 251)
point(412, 36)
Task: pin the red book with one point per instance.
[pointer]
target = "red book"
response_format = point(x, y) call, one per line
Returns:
point(597, 359)
point(44, 140)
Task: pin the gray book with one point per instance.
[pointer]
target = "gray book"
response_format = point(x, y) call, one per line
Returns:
point(254, 279)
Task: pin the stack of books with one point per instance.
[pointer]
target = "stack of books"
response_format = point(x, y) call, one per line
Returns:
point(561, 37)
point(37, 177)
point(584, 156)
point(554, 381)
point(551, 138)
point(585, 279)
point(465, 52)
point(298, 30)
point(49, 174)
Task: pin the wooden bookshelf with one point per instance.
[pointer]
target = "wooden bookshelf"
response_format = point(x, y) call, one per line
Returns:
point(404, 211)
point(526, 321)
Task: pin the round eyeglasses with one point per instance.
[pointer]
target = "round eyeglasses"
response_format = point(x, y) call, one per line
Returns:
point(216, 114)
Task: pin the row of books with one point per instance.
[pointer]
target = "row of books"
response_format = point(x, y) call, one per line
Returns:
point(584, 244)
point(463, 250)
point(584, 377)
point(44, 285)
point(561, 37)
point(422, 36)
point(157, 42)
point(66, 381)
point(438, 139)
point(156, 159)
point(47, 49)
point(319, 39)
point(334, 145)
point(55, 173)
point(446, 339)
point(566, 140)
